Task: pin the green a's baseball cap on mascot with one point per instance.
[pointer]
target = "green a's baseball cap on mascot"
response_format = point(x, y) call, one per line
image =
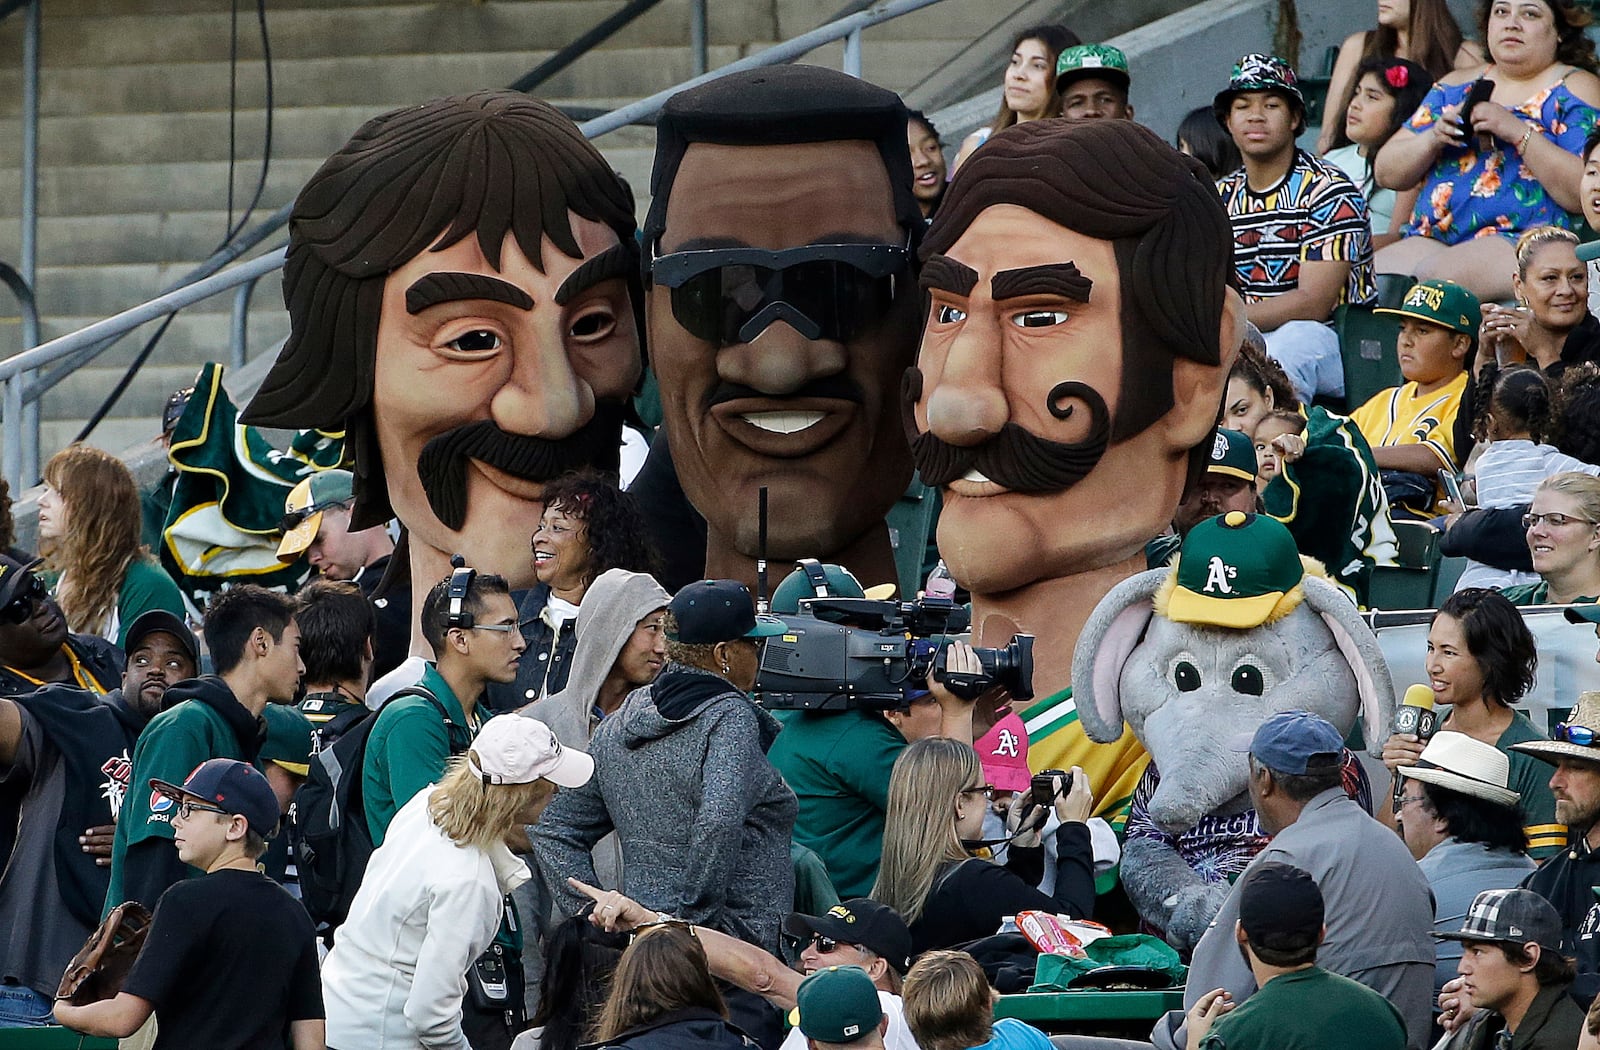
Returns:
point(1235, 571)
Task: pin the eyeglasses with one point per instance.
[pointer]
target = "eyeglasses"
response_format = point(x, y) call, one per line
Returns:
point(1583, 736)
point(1399, 802)
point(986, 790)
point(503, 628)
point(18, 609)
point(1555, 521)
point(187, 809)
point(729, 296)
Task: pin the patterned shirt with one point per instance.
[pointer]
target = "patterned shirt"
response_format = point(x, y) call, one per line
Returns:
point(1219, 848)
point(1472, 194)
point(1314, 214)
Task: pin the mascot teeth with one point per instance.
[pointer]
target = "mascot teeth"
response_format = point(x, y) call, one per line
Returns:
point(783, 422)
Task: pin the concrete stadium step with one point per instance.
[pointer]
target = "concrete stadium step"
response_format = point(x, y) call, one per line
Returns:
point(196, 336)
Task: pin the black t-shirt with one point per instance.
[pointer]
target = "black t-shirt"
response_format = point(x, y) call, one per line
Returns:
point(231, 959)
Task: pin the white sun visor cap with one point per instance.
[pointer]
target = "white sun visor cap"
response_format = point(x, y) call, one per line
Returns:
point(517, 749)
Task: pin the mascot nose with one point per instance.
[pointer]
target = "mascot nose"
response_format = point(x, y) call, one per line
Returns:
point(967, 406)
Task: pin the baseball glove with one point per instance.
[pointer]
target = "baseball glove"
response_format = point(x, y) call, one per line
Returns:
point(101, 965)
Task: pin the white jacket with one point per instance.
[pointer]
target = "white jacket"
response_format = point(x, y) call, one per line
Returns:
point(425, 910)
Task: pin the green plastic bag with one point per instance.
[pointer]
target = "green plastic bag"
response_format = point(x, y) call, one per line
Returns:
point(1056, 972)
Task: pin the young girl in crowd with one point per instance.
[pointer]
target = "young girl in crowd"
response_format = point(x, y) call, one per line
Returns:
point(1388, 91)
point(1520, 412)
point(1423, 31)
point(89, 536)
point(1201, 137)
point(1029, 86)
point(1270, 455)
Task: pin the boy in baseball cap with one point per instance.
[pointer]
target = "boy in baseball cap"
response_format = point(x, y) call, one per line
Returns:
point(1411, 426)
point(839, 1006)
point(231, 957)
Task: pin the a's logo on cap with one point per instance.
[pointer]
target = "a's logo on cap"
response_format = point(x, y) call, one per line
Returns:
point(1006, 744)
point(1218, 573)
point(1219, 448)
point(1425, 295)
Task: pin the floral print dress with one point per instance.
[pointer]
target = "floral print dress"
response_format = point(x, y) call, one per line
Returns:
point(1471, 193)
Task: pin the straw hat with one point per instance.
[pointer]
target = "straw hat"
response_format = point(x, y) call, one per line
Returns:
point(1586, 715)
point(1458, 762)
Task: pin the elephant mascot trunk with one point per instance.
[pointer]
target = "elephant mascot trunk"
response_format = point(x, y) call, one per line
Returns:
point(1193, 659)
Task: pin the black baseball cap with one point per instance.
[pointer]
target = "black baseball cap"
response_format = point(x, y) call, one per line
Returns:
point(873, 926)
point(712, 611)
point(232, 786)
point(156, 621)
point(1280, 907)
point(14, 576)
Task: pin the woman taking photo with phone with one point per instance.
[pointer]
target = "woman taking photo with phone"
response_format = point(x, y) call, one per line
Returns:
point(947, 894)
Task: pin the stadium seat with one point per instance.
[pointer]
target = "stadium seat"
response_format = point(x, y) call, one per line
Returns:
point(1410, 584)
point(1366, 344)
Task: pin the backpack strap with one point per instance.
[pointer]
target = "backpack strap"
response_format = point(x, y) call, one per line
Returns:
point(451, 728)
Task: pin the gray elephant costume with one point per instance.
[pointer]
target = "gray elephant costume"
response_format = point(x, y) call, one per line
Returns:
point(1194, 658)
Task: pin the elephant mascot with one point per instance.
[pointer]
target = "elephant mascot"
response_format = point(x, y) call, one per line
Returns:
point(1193, 659)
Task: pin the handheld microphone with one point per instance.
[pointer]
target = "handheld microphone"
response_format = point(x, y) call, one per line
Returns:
point(1414, 717)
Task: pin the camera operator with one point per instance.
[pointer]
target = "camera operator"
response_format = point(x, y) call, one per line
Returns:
point(838, 763)
point(948, 896)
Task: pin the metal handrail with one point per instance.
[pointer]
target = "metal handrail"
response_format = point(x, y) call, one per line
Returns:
point(597, 35)
point(19, 390)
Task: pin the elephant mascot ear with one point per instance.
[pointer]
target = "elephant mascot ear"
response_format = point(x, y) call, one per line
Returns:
point(1361, 651)
point(1114, 629)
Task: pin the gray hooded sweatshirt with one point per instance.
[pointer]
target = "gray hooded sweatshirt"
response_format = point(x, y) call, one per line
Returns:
point(704, 819)
point(611, 608)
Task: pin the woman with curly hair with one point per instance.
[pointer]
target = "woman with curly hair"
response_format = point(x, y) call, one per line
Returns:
point(89, 535)
point(588, 526)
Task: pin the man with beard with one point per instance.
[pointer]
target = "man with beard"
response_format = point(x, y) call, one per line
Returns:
point(254, 645)
point(1567, 879)
point(463, 291)
point(69, 749)
point(782, 313)
point(1077, 344)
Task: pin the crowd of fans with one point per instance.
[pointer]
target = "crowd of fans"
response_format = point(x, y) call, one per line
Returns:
point(571, 825)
